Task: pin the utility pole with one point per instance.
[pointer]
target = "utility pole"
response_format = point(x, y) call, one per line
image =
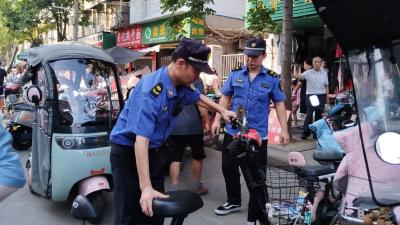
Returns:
point(76, 9)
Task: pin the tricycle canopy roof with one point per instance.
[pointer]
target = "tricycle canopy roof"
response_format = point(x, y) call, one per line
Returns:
point(66, 50)
point(359, 24)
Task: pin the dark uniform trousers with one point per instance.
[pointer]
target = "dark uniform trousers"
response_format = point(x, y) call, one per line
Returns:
point(310, 111)
point(230, 170)
point(126, 185)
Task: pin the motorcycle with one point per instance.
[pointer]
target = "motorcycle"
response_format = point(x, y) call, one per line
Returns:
point(368, 175)
point(340, 115)
point(323, 201)
point(72, 119)
point(244, 148)
point(20, 123)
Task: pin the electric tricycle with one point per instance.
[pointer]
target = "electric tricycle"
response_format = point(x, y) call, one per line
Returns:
point(77, 98)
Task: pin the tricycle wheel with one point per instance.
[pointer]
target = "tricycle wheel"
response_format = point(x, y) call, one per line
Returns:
point(20, 139)
point(98, 202)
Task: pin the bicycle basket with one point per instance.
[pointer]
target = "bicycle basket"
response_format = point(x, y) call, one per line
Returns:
point(287, 195)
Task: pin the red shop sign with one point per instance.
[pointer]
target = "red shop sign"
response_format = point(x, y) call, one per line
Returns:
point(130, 37)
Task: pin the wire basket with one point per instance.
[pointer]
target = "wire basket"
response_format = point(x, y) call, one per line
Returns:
point(288, 195)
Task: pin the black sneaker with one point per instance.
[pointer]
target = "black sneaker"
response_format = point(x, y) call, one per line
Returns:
point(304, 136)
point(226, 209)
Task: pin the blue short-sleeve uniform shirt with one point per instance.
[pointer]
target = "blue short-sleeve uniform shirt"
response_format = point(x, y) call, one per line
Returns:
point(151, 110)
point(254, 96)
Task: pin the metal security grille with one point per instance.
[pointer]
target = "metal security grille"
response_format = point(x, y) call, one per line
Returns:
point(229, 62)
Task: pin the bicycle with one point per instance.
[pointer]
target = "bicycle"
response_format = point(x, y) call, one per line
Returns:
point(294, 191)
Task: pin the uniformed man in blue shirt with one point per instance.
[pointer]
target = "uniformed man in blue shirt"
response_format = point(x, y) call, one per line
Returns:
point(253, 87)
point(145, 123)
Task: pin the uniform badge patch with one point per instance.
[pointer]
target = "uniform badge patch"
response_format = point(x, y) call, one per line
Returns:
point(272, 73)
point(239, 81)
point(265, 85)
point(156, 90)
point(237, 68)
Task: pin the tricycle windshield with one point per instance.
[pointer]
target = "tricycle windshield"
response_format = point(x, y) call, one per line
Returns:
point(377, 86)
point(87, 92)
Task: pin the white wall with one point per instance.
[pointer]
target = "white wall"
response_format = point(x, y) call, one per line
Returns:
point(230, 8)
point(145, 10)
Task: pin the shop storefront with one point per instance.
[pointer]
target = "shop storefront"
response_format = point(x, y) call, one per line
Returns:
point(160, 34)
point(131, 37)
point(102, 40)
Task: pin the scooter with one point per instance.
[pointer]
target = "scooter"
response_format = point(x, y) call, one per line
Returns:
point(339, 116)
point(178, 206)
point(369, 174)
point(20, 123)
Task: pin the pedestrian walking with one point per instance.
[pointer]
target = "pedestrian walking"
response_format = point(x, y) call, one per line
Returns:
point(189, 132)
point(144, 124)
point(3, 75)
point(317, 84)
point(251, 86)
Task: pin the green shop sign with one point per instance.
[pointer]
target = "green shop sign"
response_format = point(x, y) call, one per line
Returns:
point(159, 32)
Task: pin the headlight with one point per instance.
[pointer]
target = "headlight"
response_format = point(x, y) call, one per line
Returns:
point(82, 143)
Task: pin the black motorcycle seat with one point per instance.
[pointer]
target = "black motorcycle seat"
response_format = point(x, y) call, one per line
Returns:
point(313, 171)
point(179, 203)
point(23, 107)
point(327, 156)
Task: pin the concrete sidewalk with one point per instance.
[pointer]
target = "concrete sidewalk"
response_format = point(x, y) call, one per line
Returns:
point(214, 181)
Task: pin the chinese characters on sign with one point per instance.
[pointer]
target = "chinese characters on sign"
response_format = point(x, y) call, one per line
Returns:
point(130, 37)
point(274, 128)
point(159, 32)
point(94, 39)
point(197, 28)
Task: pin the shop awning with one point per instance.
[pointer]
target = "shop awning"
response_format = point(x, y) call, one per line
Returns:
point(157, 48)
point(123, 55)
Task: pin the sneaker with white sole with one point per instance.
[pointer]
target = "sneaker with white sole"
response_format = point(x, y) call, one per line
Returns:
point(226, 209)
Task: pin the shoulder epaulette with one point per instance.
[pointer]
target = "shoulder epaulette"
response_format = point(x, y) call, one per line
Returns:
point(272, 73)
point(157, 89)
point(237, 68)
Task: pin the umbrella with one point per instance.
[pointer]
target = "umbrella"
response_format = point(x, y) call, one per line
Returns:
point(123, 55)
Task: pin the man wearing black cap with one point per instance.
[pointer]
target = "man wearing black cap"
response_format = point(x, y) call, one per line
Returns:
point(252, 87)
point(145, 123)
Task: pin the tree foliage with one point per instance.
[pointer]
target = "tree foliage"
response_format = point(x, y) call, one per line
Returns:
point(23, 19)
point(259, 19)
point(196, 9)
point(28, 20)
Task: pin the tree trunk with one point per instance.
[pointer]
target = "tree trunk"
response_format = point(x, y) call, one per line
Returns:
point(286, 55)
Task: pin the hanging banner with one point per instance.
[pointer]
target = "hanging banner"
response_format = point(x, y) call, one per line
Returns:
point(274, 127)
